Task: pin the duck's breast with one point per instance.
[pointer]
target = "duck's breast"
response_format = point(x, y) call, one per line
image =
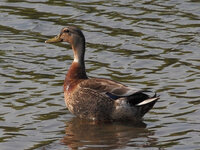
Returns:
point(88, 103)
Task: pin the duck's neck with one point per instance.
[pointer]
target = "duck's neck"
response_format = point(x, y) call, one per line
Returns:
point(79, 53)
point(77, 69)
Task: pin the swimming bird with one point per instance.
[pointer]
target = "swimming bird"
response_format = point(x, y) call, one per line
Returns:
point(98, 99)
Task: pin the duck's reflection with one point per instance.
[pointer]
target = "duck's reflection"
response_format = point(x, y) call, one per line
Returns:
point(89, 135)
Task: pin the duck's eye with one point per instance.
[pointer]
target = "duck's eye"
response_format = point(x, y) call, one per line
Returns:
point(66, 31)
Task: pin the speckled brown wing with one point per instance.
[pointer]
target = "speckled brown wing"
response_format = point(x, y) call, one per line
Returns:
point(108, 86)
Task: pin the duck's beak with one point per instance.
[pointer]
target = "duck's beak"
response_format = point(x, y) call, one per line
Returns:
point(55, 39)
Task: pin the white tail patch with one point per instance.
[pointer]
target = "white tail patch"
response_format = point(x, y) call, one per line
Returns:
point(147, 101)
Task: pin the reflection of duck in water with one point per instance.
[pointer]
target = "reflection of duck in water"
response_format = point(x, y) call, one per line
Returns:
point(87, 135)
point(98, 98)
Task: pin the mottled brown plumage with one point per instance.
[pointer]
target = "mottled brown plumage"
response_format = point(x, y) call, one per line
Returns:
point(97, 98)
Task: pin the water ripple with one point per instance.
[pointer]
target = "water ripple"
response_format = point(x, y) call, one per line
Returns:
point(145, 44)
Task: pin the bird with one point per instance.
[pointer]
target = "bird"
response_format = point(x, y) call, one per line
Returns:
point(99, 99)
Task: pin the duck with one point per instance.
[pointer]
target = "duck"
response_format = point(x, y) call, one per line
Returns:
point(99, 99)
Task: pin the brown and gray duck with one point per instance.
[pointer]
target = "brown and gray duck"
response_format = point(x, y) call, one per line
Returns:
point(98, 99)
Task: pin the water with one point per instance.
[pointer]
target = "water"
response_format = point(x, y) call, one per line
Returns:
point(145, 44)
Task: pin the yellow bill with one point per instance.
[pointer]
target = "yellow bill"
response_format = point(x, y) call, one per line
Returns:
point(54, 40)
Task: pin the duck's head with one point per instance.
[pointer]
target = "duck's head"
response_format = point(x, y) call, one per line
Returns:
point(70, 34)
point(74, 37)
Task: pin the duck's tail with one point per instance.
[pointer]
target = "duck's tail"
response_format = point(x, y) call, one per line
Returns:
point(142, 102)
point(133, 107)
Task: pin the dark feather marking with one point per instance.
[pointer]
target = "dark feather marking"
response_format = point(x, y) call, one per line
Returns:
point(138, 98)
point(112, 96)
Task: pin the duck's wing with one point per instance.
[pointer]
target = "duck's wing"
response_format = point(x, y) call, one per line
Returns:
point(115, 90)
point(108, 86)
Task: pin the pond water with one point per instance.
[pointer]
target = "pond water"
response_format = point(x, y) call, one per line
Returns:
point(142, 43)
